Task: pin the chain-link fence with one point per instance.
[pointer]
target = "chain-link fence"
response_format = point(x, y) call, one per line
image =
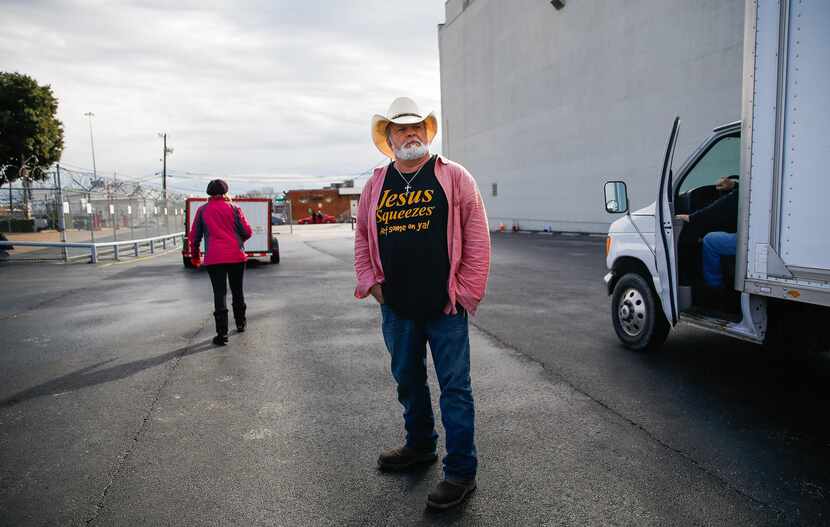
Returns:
point(76, 206)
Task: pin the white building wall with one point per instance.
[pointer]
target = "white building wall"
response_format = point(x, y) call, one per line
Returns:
point(551, 104)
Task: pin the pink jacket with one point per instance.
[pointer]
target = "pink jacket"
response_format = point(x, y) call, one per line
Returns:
point(468, 236)
point(224, 228)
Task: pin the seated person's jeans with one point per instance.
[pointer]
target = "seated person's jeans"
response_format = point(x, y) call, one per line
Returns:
point(715, 245)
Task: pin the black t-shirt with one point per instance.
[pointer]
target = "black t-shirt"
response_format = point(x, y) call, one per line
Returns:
point(412, 237)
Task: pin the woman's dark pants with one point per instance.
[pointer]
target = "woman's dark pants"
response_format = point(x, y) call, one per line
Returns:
point(220, 276)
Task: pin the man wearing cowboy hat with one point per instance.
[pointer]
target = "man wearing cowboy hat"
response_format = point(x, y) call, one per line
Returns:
point(422, 250)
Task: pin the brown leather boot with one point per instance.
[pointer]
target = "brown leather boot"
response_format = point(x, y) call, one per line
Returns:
point(405, 458)
point(450, 493)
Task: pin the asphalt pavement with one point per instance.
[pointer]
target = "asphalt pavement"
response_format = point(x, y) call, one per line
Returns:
point(115, 408)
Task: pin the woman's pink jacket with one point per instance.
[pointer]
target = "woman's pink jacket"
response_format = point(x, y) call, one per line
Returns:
point(468, 236)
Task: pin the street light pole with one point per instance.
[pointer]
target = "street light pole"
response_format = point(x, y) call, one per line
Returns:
point(3, 170)
point(61, 217)
point(92, 144)
point(91, 216)
point(22, 174)
point(111, 203)
point(94, 174)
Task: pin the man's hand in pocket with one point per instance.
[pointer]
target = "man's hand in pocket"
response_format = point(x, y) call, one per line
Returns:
point(377, 292)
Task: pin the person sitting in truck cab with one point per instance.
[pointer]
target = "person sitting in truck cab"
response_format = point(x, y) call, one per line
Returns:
point(717, 224)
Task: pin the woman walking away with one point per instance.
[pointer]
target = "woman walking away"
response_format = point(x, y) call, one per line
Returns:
point(224, 229)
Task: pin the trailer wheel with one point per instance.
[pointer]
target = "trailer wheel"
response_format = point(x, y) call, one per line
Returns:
point(187, 263)
point(275, 251)
point(638, 319)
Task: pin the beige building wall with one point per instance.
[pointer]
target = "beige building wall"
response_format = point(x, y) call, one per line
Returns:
point(549, 104)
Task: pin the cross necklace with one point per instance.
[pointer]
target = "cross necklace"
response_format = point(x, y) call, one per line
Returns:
point(409, 181)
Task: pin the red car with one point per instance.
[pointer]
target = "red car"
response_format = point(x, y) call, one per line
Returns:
point(317, 218)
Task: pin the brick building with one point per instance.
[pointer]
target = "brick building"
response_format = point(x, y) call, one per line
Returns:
point(328, 201)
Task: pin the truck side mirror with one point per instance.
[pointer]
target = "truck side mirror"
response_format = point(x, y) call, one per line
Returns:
point(616, 197)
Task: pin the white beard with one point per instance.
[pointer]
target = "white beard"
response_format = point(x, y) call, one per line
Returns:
point(412, 152)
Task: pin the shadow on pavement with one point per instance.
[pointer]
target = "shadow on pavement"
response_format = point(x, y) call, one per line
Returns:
point(90, 375)
point(413, 478)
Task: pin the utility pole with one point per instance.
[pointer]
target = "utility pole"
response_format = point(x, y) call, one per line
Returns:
point(165, 151)
point(164, 170)
point(164, 185)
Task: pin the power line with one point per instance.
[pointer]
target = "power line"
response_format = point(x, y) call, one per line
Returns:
point(194, 176)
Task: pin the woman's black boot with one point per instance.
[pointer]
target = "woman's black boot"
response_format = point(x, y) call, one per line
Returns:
point(221, 318)
point(239, 317)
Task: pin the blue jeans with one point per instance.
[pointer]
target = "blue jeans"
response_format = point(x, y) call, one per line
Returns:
point(715, 245)
point(449, 343)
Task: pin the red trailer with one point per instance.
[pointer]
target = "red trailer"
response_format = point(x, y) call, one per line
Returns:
point(262, 243)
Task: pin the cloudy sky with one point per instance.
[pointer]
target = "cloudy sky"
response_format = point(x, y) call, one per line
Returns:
point(271, 92)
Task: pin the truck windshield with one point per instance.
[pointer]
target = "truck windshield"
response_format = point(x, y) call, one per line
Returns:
point(723, 159)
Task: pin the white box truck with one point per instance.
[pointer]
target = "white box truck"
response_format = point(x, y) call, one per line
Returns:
point(258, 213)
point(777, 287)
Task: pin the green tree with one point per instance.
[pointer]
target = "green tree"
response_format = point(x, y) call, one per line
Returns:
point(29, 129)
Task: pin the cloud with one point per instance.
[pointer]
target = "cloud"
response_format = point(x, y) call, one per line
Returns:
point(264, 87)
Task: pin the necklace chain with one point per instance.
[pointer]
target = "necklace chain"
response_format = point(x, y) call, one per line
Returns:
point(408, 182)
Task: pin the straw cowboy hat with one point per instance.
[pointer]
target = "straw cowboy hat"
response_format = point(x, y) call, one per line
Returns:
point(403, 110)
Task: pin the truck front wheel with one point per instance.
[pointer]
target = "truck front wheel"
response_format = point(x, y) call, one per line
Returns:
point(638, 319)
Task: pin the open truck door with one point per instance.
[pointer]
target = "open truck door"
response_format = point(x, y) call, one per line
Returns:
point(665, 253)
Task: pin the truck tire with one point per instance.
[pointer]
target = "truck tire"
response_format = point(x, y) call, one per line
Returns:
point(187, 263)
point(637, 316)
